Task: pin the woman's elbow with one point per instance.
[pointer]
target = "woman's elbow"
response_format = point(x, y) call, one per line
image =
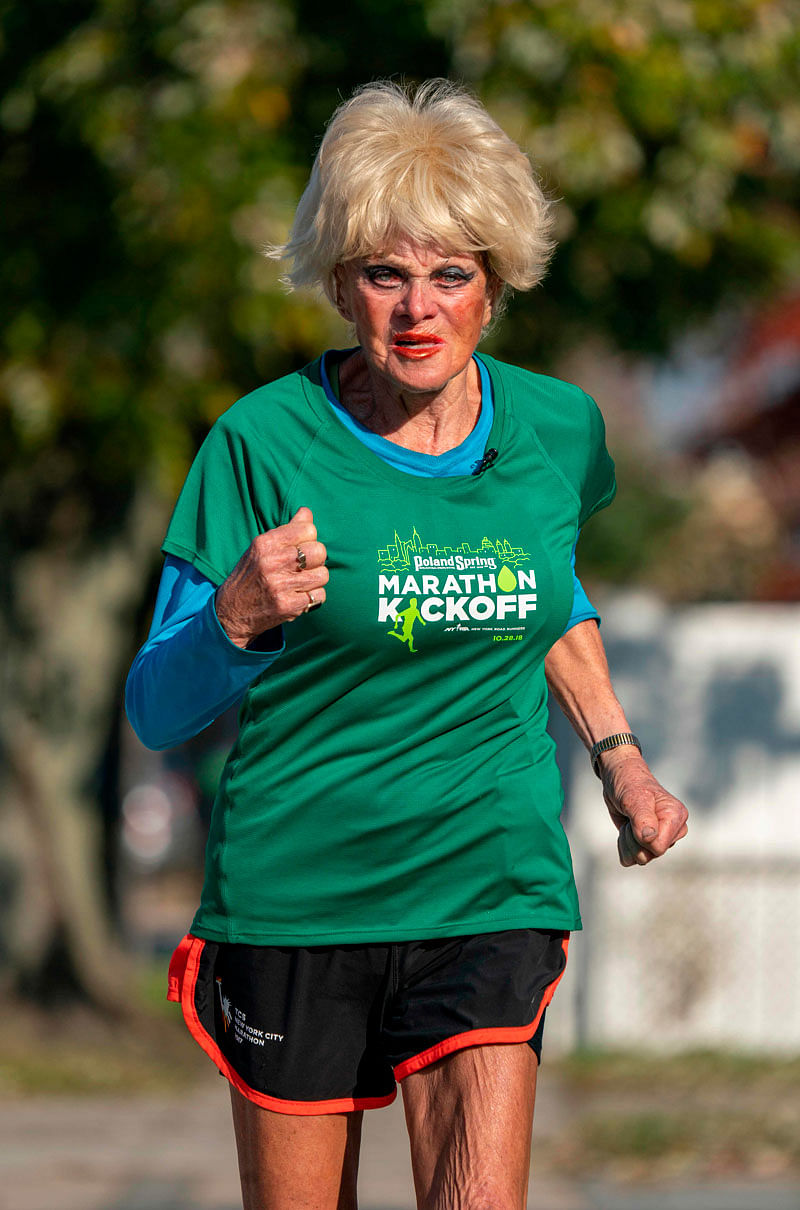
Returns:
point(148, 727)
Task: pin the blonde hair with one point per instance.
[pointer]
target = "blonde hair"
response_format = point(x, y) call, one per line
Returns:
point(430, 165)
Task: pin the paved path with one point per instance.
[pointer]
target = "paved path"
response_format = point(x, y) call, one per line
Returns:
point(177, 1153)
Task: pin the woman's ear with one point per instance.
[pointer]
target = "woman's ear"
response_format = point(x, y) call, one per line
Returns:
point(495, 290)
point(339, 294)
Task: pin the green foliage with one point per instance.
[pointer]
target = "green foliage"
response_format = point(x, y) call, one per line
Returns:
point(685, 1144)
point(623, 539)
point(669, 130)
point(642, 1135)
point(148, 160)
point(150, 151)
point(71, 1053)
point(619, 1072)
point(693, 1116)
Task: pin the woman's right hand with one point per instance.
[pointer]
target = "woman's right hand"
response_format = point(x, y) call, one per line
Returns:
point(267, 586)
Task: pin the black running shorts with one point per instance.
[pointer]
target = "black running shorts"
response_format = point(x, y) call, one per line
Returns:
point(327, 1029)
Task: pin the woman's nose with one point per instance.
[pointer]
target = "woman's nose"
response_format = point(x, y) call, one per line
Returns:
point(418, 301)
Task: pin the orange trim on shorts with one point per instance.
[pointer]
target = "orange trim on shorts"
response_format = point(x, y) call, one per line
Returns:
point(183, 971)
point(481, 1037)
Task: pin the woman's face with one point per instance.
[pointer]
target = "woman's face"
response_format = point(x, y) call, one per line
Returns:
point(418, 312)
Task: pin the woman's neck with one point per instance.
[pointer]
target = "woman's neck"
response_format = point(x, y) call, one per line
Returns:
point(428, 423)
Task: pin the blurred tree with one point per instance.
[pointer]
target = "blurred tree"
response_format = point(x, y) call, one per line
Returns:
point(397, 45)
point(147, 156)
point(669, 130)
point(149, 150)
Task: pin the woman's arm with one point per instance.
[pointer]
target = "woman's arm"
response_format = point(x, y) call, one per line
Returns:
point(207, 644)
point(582, 608)
point(188, 671)
point(649, 819)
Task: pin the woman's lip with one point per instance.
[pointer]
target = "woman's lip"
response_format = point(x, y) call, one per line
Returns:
point(415, 352)
point(422, 338)
point(416, 344)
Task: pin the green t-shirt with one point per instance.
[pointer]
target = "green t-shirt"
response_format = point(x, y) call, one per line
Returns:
point(392, 778)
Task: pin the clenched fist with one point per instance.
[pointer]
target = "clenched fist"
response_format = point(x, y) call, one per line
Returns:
point(649, 819)
point(272, 583)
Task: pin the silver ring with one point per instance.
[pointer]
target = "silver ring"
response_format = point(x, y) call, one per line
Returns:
point(301, 559)
point(311, 600)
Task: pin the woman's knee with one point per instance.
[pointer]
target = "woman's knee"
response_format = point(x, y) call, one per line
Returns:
point(463, 1193)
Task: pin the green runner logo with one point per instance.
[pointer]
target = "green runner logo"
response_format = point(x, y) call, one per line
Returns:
point(408, 617)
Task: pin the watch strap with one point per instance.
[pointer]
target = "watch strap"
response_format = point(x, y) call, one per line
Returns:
point(618, 740)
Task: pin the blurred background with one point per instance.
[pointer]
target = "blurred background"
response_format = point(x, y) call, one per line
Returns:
point(149, 150)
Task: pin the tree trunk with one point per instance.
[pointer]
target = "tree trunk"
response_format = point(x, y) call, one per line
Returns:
point(67, 639)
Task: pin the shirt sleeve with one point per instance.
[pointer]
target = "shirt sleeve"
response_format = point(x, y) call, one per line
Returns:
point(582, 608)
point(216, 516)
point(188, 671)
point(598, 482)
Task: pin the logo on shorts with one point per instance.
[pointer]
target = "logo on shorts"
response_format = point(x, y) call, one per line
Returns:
point(225, 1005)
point(242, 1032)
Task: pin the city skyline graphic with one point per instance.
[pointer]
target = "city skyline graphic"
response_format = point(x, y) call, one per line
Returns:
point(396, 556)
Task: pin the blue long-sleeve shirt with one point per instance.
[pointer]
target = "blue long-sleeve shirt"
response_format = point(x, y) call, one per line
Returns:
point(188, 671)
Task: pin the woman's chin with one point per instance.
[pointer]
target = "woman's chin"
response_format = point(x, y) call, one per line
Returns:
point(416, 373)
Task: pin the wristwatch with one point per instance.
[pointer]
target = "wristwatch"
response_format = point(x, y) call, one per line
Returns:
point(618, 740)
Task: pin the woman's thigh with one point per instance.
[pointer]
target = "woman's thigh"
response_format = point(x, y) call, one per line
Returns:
point(289, 1162)
point(469, 1120)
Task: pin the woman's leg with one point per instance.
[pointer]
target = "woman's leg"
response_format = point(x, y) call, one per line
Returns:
point(469, 1119)
point(289, 1162)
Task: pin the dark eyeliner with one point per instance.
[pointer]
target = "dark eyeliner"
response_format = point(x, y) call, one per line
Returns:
point(457, 276)
point(372, 272)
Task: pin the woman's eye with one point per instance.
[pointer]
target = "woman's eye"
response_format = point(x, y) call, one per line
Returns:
point(382, 275)
point(386, 275)
point(454, 277)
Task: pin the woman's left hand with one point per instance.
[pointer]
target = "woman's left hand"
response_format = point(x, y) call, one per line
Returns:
point(650, 819)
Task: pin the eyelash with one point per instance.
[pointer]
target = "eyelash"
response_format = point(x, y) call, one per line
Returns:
point(376, 276)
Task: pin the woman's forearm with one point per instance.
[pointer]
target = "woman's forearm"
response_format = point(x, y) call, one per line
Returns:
point(188, 672)
point(578, 676)
point(649, 819)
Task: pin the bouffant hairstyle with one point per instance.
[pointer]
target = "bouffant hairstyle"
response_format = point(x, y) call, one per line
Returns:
point(428, 164)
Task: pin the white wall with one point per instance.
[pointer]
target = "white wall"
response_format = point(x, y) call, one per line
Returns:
point(702, 947)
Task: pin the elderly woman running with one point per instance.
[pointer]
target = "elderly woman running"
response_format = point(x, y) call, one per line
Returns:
point(378, 552)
